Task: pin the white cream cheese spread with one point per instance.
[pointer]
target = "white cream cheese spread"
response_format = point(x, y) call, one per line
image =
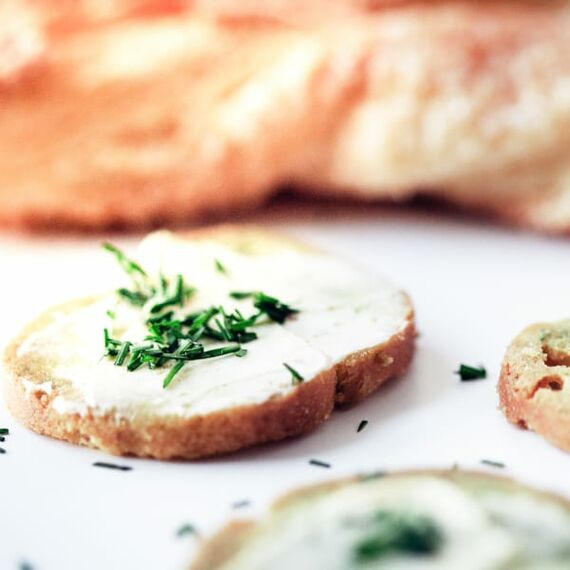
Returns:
point(341, 310)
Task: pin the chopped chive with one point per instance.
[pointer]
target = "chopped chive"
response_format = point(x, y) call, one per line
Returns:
point(179, 339)
point(135, 361)
point(492, 463)
point(112, 466)
point(361, 426)
point(239, 295)
point(4, 431)
point(123, 353)
point(26, 566)
point(186, 529)
point(220, 267)
point(274, 309)
point(319, 463)
point(468, 373)
point(2, 450)
point(372, 475)
point(135, 298)
point(392, 533)
point(127, 264)
point(172, 373)
point(296, 378)
point(2, 439)
point(222, 351)
point(111, 314)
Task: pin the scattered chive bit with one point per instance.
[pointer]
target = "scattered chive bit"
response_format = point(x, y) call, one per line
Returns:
point(2, 450)
point(128, 265)
point(112, 466)
point(111, 314)
point(220, 268)
point(25, 566)
point(2, 439)
point(296, 378)
point(362, 425)
point(240, 295)
point(4, 431)
point(492, 463)
point(176, 340)
point(319, 463)
point(372, 475)
point(186, 529)
point(241, 504)
point(468, 373)
point(392, 532)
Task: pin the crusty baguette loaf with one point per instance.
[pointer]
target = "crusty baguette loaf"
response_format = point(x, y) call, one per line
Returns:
point(190, 116)
point(534, 386)
point(433, 519)
point(352, 333)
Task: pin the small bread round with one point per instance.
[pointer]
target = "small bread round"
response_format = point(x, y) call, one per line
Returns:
point(165, 436)
point(534, 386)
point(537, 523)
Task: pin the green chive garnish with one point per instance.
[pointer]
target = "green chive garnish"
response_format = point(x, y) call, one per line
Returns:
point(296, 378)
point(491, 463)
point(112, 466)
point(186, 529)
point(174, 339)
point(390, 533)
point(319, 463)
point(468, 373)
point(220, 267)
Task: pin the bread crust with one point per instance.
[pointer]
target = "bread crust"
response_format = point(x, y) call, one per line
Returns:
point(534, 384)
point(225, 543)
point(307, 406)
point(467, 101)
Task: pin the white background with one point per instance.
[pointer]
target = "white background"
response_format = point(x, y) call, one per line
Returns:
point(474, 286)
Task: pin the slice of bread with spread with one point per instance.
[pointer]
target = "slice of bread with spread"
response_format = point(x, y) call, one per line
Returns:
point(226, 338)
point(428, 520)
point(534, 386)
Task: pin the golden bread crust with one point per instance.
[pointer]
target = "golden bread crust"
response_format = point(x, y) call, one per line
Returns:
point(534, 385)
point(451, 99)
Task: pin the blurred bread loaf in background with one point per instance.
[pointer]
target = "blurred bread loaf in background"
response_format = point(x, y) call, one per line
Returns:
point(136, 112)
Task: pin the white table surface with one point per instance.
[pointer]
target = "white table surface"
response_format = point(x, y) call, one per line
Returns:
point(474, 286)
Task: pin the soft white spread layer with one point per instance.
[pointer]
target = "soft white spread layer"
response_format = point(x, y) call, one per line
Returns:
point(342, 310)
point(322, 532)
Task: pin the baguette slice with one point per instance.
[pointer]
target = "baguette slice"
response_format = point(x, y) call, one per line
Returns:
point(153, 101)
point(428, 520)
point(353, 332)
point(534, 386)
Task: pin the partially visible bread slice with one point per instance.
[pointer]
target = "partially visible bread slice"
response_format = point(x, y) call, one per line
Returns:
point(353, 332)
point(437, 520)
point(534, 386)
point(152, 102)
